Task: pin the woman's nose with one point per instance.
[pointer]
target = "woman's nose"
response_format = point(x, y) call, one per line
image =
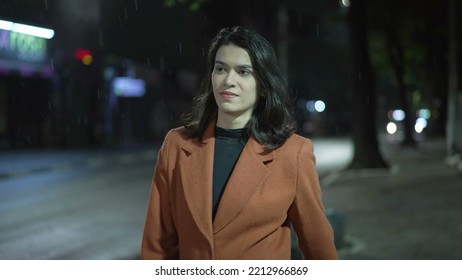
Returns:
point(230, 79)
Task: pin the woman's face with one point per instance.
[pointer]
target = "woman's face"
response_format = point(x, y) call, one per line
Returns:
point(234, 86)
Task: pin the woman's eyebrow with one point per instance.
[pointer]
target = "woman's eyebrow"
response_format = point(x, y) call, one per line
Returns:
point(239, 66)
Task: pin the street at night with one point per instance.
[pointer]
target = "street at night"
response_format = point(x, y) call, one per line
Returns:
point(89, 90)
point(88, 207)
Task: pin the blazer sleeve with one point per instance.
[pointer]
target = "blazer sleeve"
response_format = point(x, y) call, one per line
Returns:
point(160, 240)
point(307, 215)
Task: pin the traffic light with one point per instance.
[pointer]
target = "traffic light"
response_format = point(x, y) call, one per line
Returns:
point(85, 56)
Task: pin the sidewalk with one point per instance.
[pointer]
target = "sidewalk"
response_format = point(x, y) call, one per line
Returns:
point(412, 211)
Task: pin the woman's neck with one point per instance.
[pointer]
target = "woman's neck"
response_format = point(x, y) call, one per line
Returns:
point(231, 122)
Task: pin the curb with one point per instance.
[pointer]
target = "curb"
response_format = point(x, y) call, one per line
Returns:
point(348, 174)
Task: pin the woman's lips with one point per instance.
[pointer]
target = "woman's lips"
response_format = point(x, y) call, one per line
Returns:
point(228, 95)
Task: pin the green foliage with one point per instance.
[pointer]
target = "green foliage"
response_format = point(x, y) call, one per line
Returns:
point(194, 5)
point(407, 25)
point(172, 3)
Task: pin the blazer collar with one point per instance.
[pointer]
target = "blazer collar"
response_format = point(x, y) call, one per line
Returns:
point(197, 176)
point(209, 139)
point(249, 174)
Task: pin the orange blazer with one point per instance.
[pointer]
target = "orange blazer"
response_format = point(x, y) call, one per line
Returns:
point(266, 194)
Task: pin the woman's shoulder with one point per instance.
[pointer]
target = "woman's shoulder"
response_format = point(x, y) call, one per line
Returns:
point(294, 150)
point(296, 146)
point(296, 141)
point(173, 141)
point(176, 136)
point(177, 132)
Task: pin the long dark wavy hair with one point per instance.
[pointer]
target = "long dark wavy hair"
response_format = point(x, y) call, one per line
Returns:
point(272, 121)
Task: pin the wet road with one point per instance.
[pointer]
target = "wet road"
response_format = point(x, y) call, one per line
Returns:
point(79, 213)
point(93, 209)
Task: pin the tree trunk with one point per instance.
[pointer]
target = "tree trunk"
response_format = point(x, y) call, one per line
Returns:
point(436, 70)
point(453, 83)
point(366, 149)
point(396, 54)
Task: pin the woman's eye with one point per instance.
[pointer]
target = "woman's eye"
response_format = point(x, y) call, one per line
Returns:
point(219, 69)
point(245, 72)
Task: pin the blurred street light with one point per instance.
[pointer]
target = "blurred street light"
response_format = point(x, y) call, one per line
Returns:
point(85, 56)
point(27, 29)
point(392, 128)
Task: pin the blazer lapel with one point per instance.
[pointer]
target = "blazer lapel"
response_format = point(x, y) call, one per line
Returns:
point(196, 171)
point(248, 175)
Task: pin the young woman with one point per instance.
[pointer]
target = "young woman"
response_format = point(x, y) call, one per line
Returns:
point(232, 181)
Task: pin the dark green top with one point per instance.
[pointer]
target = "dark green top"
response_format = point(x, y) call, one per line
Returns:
point(228, 146)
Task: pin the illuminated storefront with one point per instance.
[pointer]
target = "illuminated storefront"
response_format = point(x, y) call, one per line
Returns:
point(25, 81)
point(23, 48)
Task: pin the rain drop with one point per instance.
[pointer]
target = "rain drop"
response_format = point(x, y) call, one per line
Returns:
point(181, 48)
point(52, 64)
point(100, 38)
point(161, 64)
point(125, 12)
point(136, 5)
point(46, 5)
